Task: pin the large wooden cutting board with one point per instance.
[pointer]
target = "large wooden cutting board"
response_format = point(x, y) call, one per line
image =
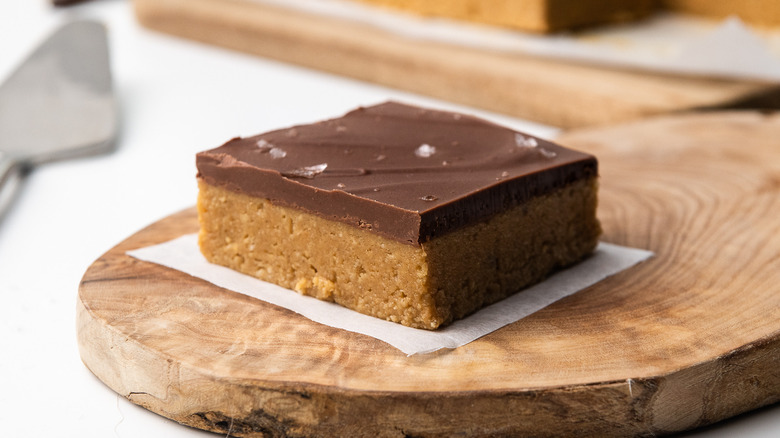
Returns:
point(685, 339)
point(553, 92)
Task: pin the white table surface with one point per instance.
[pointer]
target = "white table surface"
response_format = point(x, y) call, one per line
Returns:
point(176, 97)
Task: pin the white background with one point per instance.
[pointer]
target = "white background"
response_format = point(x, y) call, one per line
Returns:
point(176, 98)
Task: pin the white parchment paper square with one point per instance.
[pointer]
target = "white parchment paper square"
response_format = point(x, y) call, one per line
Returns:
point(183, 255)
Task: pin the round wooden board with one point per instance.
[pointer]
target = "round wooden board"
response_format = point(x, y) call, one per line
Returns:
point(685, 339)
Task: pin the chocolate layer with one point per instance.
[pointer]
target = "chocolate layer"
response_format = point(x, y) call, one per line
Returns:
point(404, 172)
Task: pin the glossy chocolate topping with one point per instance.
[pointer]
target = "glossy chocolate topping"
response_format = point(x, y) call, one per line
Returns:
point(404, 172)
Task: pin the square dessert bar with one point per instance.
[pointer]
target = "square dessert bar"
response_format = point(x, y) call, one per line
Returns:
point(528, 15)
point(412, 215)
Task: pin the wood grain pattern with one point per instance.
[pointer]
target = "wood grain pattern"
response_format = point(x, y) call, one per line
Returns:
point(553, 92)
point(685, 339)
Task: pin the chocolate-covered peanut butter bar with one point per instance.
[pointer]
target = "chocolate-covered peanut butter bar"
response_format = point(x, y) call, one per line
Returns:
point(412, 215)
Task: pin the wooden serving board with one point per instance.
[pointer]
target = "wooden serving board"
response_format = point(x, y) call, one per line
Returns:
point(688, 338)
point(553, 92)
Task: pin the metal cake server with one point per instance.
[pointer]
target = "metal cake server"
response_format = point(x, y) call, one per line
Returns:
point(58, 104)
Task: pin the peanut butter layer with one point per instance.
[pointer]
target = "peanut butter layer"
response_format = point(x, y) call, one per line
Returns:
point(425, 286)
point(406, 173)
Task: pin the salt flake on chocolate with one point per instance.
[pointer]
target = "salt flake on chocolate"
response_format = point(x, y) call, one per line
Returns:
point(525, 142)
point(425, 150)
point(277, 153)
point(264, 145)
point(307, 171)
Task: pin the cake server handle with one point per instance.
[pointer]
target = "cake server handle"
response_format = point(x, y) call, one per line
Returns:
point(11, 172)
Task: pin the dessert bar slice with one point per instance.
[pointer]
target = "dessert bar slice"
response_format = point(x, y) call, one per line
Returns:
point(528, 15)
point(412, 215)
point(759, 12)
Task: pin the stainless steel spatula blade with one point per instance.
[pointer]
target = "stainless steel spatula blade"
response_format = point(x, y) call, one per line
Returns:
point(59, 103)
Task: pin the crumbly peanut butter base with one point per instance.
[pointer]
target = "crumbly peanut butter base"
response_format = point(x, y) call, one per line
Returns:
point(425, 286)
